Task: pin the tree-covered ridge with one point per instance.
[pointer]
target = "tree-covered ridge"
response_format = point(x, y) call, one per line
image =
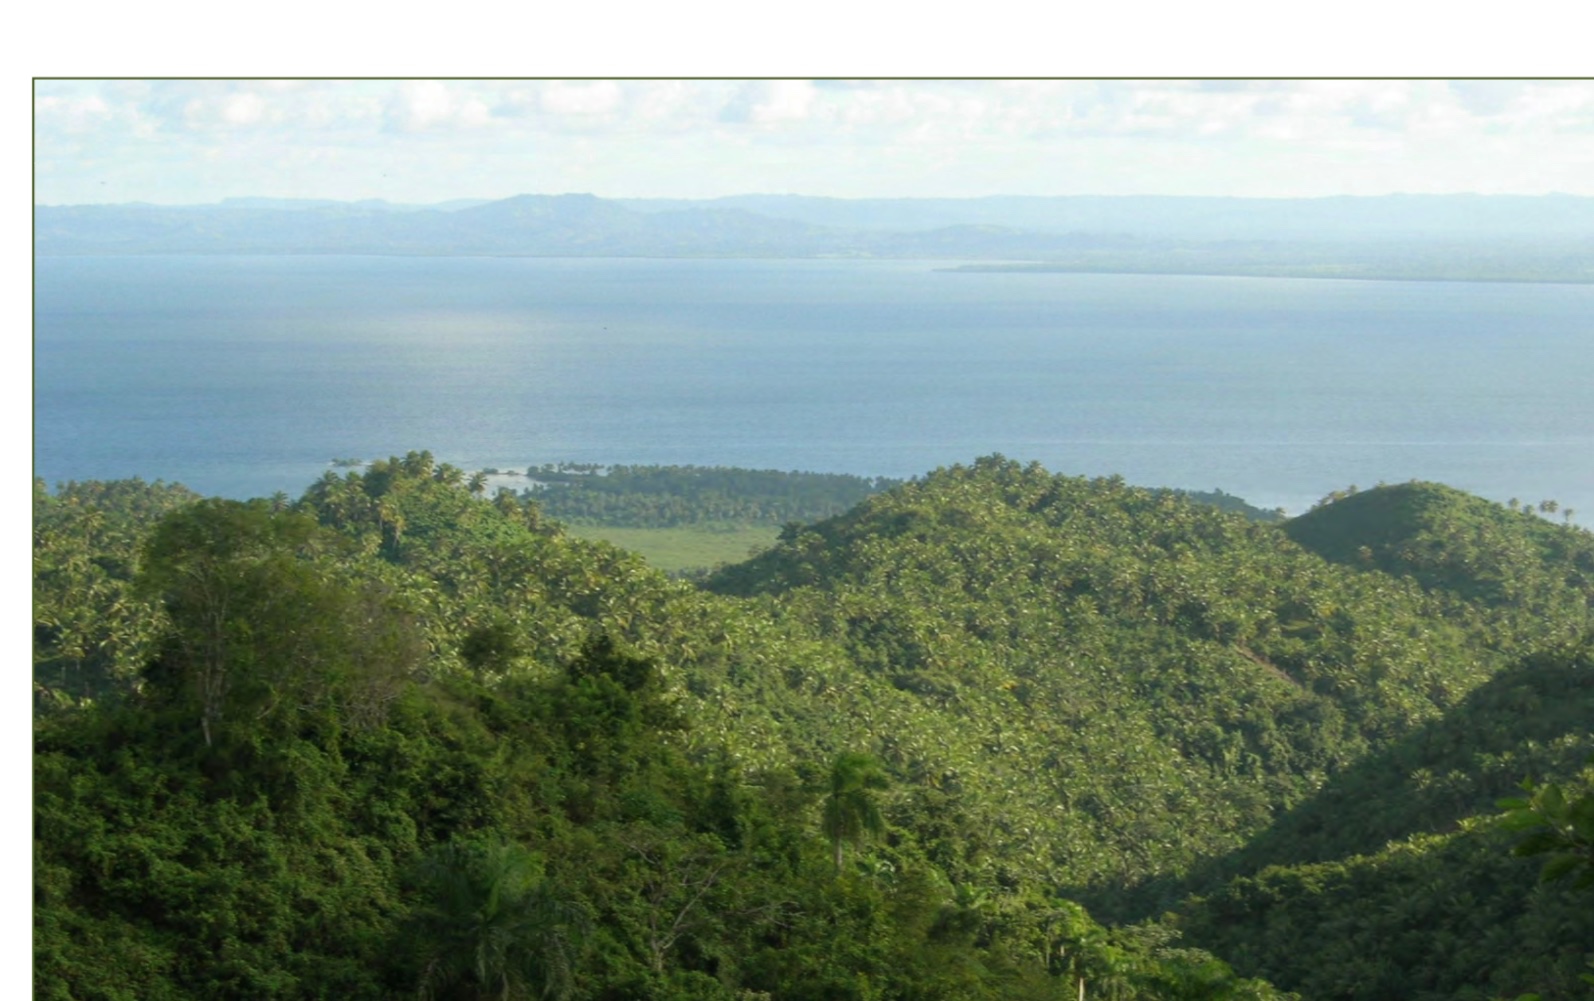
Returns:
point(1228, 502)
point(1072, 691)
point(1508, 563)
point(689, 520)
point(672, 496)
point(1431, 916)
point(1532, 718)
point(1446, 916)
point(1400, 856)
point(394, 738)
point(1223, 672)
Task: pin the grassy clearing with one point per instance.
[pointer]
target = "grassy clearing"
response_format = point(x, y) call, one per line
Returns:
point(676, 549)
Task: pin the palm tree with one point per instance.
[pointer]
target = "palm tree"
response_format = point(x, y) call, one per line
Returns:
point(418, 465)
point(489, 926)
point(506, 502)
point(390, 521)
point(850, 809)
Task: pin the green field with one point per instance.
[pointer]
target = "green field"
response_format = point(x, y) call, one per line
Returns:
point(676, 549)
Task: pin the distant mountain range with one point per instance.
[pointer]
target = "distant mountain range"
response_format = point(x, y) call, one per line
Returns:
point(1396, 217)
point(1448, 236)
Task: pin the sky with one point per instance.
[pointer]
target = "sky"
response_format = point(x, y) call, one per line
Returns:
point(184, 141)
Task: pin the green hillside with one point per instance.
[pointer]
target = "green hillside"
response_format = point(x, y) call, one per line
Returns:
point(1521, 572)
point(1427, 917)
point(306, 736)
point(1395, 880)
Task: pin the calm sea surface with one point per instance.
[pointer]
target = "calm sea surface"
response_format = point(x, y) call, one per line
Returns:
point(242, 376)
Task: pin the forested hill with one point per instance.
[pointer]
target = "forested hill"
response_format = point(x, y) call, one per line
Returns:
point(1500, 558)
point(672, 496)
point(916, 750)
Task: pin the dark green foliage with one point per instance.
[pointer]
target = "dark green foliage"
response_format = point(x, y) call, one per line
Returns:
point(488, 925)
point(157, 879)
point(393, 716)
point(1532, 717)
point(673, 496)
point(1556, 823)
point(1448, 916)
point(1229, 502)
point(265, 629)
point(492, 647)
point(1431, 915)
point(851, 812)
point(1527, 577)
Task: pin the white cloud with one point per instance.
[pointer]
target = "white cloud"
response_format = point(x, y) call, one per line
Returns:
point(673, 105)
point(595, 98)
point(72, 113)
point(771, 101)
point(243, 109)
point(786, 100)
point(888, 106)
point(1559, 105)
point(425, 105)
point(224, 110)
point(197, 140)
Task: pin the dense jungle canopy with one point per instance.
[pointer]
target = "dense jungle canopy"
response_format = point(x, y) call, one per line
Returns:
point(988, 733)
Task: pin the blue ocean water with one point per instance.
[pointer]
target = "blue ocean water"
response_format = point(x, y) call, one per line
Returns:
point(241, 376)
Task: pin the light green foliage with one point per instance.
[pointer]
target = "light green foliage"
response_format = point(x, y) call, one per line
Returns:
point(691, 550)
point(92, 633)
point(1228, 502)
point(1110, 682)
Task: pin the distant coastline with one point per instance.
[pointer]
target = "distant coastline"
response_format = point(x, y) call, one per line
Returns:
point(1371, 275)
point(1472, 238)
point(1582, 273)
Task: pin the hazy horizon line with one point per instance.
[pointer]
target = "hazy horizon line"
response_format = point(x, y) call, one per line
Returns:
point(1423, 195)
